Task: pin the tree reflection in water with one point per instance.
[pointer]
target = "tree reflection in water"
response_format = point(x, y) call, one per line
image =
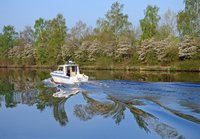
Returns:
point(116, 109)
point(93, 108)
point(59, 112)
point(150, 123)
point(17, 88)
point(24, 89)
point(46, 99)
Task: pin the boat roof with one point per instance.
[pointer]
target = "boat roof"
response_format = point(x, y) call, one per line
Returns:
point(68, 64)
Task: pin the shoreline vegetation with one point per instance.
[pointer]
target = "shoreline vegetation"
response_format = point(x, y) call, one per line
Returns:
point(126, 68)
point(170, 42)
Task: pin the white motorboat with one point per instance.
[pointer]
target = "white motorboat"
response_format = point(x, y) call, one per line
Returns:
point(69, 74)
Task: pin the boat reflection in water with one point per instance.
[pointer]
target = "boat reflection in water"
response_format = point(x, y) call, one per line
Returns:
point(162, 109)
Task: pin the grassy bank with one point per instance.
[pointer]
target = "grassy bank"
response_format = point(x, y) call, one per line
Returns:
point(142, 68)
point(185, 66)
point(27, 66)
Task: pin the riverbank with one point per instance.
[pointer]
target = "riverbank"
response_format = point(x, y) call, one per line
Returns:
point(117, 67)
point(179, 66)
point(142, 68)
point(27, 66)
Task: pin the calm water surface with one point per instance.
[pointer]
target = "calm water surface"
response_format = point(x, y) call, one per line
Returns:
point(113, 104)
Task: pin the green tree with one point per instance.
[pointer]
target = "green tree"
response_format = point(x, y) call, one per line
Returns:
point(40, 34)
point(115, 21)
point(40, 40)
point(7, 38)
point(49, 37)
point(80, 31)
point(185, 25)
point(150, 22)
point(188, 20)
point(77, 34)
point(193, 5)
point(57, 31)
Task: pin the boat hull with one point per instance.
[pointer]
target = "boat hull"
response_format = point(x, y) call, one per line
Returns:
point(57, 79)
point(69, 80)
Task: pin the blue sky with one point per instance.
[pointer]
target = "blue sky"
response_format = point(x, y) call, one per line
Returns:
point(21, 13)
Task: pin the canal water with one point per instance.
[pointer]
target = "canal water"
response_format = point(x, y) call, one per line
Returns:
point(113, 104)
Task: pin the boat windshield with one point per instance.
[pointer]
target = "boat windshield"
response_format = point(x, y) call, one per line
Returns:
point(60, 68)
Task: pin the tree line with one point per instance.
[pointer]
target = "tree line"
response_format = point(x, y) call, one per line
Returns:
point(112, 40)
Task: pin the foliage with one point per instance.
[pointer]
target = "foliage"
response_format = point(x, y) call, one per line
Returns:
point(7, 38)
point(151, 58)
point(5, 87)
point(169, 20)
point(150, 22)
point(163, 32)
point(80, 31)
point(196, 56)
point(188, 22)
point(104, 62)
point(189, 47)
point(41, 55)
point(168, 25)
point(115, 21)
point(124, 48)
point(76, 36)
point(112, 41)
point(185, 25)
point(171, 54)
point(26, 36)
point(135, 59)
point(40, 34)
point(104, 36)
point(49, 37)
point(188, 65)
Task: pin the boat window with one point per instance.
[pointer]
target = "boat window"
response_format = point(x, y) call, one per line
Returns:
point(67, 71)
point(60, 68)
point(74, 69)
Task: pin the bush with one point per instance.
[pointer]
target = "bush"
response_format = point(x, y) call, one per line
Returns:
point(171, 54)
point(151, 58)
point(135, 59)
point(41, 56)
point(189, 65)
point(104, 62)
point(28, 61)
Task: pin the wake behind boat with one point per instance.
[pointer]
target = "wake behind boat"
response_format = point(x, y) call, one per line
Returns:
point(69, 74)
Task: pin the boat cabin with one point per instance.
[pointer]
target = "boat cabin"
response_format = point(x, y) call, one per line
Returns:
point(69, 69)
